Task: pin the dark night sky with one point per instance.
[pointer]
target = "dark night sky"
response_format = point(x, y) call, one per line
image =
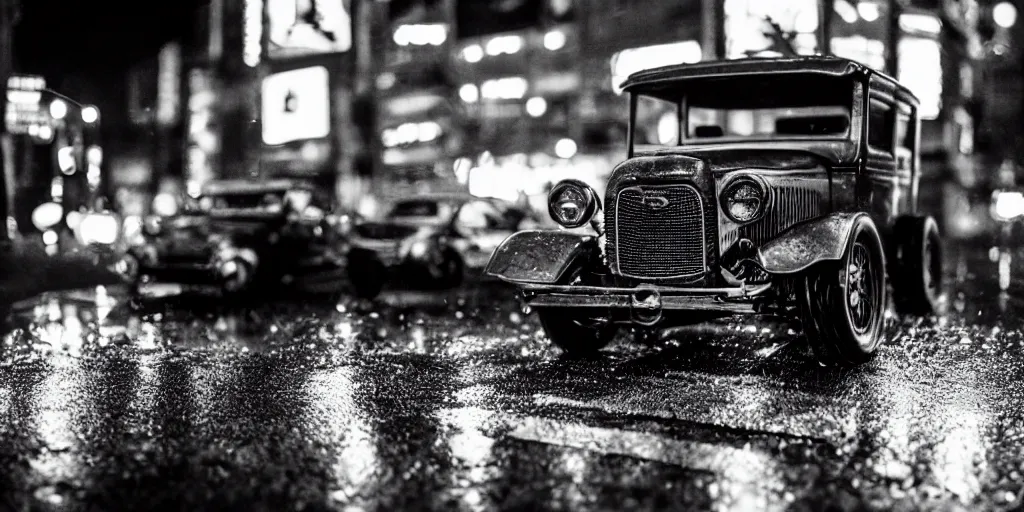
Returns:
point(84, 47)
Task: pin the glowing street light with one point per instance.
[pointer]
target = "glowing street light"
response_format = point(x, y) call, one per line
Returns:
point(536, 106)
point(565, 148)
point(90, 114)
point(1004, 14)
point(58, 109)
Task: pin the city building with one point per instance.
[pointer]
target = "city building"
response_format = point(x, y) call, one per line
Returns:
point(501, 98)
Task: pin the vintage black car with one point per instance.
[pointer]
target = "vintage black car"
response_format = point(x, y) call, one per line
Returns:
point(782, 186)
point(240, 234)
point(431, 241)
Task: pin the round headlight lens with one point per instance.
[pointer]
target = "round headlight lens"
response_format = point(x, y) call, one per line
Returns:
point(744, 200)
point(572, 203)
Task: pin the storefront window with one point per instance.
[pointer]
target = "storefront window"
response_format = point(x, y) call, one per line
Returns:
point(761, 28)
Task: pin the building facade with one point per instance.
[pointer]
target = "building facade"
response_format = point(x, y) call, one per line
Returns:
point(503, 98)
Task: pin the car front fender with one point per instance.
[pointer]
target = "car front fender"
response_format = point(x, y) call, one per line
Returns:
point(540, 257)
point(805, 244)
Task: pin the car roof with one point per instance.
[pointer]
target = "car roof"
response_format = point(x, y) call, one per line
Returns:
point(817, 64)
point(242, 186)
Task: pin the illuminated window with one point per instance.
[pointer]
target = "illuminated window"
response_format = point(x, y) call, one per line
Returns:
point(760, 27)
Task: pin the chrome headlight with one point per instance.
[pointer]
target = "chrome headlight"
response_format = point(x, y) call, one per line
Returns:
point(572, 203)
point(745, 199)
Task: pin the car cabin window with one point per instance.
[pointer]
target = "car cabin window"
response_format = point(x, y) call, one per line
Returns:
point(657, 122)
point(880, 126)
point(479, 215)
point(746, 107)
point(904, 140)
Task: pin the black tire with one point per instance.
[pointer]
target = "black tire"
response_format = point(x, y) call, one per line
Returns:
point(575, 332)
point(366, 274)
point(916, 269)
point(842, 304)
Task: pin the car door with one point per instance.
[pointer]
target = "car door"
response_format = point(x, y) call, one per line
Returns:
point(907, 160)
point(880, 178)
point(483, 227)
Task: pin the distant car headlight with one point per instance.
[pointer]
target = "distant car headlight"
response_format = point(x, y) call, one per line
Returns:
point(572, 203)
point(745, 199)
point(419, 249)
point(98, 228)
point(152, 225)
point(1007, 206)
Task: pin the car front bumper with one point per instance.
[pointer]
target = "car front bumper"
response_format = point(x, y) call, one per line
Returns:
point(646, 303)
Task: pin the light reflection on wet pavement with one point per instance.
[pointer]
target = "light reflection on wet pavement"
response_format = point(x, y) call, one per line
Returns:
point(456, 401)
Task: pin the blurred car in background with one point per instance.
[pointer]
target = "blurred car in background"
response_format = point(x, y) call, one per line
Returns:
point(431, 241)
point(241, 234)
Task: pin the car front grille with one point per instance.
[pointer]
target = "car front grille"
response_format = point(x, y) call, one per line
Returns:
point(659, 232)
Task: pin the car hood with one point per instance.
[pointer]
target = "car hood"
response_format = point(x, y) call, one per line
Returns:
point(790, 154)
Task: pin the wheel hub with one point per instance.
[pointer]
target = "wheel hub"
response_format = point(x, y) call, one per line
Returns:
point(860, 288)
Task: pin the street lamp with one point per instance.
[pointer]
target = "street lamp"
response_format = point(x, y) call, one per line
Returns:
point(90, 114)
point(58, 108)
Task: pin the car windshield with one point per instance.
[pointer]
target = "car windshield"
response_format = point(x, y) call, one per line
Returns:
point(740, 108)
point(243, 200)
point(421, 210)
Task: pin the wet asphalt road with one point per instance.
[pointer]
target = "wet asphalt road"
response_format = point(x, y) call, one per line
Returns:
point(455, 401)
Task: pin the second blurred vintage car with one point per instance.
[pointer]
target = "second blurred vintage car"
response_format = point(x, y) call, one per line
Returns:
point(239, 234)
point(431, 241)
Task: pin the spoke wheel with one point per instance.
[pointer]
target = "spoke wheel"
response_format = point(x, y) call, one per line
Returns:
point(861, 292)
point(842, 303)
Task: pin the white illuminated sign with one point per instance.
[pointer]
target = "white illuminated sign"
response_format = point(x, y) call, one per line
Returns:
point(630, 61)
point(306, 27)
point(421, 35)
point(252, 48)
point(168, 90)
point(296, 105)
point(26, 82)
point(920, 70)
point(747, 29)
point(509, 88)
